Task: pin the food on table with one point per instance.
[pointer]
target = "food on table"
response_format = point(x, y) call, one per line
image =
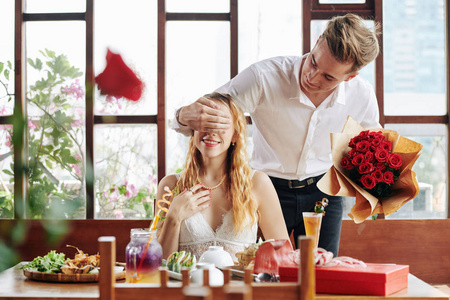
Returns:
point(55, 262)
point(50, 263)
point(177, 260)
point(247, 257)
point(81, 264)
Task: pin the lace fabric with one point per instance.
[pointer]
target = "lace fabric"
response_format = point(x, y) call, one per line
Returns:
point(196, 235)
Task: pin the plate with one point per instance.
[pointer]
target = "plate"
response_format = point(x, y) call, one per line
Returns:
point(60, 277)
point(175, 275)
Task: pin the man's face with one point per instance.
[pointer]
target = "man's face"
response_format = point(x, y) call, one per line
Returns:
point(321, 72)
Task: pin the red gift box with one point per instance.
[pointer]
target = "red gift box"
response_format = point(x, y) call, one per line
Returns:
point(375, 279)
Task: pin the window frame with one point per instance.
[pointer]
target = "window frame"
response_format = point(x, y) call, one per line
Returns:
point(312, 10)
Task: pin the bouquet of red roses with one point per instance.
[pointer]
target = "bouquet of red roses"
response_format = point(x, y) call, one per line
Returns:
point(374, 166)
point(371, 164)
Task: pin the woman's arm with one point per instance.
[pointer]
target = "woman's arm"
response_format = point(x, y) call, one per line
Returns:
point(183, 205)
point(271, 219)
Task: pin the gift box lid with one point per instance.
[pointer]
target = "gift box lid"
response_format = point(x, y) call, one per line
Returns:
point(373, 272)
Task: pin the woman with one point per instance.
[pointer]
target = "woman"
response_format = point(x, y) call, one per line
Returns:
point(222, 200)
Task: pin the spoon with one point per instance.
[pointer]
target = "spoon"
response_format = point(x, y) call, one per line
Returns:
point(263, 277)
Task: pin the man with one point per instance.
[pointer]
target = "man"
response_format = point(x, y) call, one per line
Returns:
point(295, 103)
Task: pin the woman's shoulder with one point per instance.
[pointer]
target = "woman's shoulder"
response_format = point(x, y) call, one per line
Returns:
point(170, 180)
point(260, 178)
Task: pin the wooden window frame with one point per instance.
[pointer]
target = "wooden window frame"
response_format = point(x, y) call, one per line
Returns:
point(373, 9)
point(20, 109)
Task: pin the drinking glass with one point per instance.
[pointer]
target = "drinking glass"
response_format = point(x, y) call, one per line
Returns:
point(143, 261)
point(313, 222)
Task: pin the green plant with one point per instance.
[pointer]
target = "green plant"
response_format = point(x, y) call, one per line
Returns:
point(55, 169)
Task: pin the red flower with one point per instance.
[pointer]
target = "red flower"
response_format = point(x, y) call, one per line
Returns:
point(376, 142)
point(378, 175)
point(386, 145)
point(369, 157)
point(365, 168)
point(346, 163)
point(394, 161)
point(388, 177)
point(380, 166)
point(363, 146)
point(118, 79)
point(358, 159)
point(381, 155)
point(368, 181)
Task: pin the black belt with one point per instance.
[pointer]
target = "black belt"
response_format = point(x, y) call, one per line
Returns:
point(295, 184)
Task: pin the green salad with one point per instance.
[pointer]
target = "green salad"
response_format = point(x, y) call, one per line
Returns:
point(50, 263)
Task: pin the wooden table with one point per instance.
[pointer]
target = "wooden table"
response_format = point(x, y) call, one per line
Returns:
point(14, 285)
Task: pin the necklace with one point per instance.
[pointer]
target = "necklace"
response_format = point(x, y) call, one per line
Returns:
point(214, 187)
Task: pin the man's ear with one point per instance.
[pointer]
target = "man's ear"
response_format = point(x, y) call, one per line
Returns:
point(351, 76)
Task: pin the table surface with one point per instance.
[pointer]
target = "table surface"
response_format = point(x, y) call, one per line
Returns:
point(14, 285)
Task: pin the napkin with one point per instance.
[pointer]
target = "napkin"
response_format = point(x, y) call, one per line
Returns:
point(335, 181)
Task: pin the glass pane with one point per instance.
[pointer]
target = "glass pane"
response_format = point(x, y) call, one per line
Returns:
point(414, 57)
point(6, 176)
point(318, 26)
point(431, 170)
point(54, 6)
point(260, 26)
point(56, 118)
point(125, 171)
point(6, 58)
point(197, 62)
point(201, 6)
point(131, 31)
point(342, 1)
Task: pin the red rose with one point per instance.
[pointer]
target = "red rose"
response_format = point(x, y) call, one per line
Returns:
point(394, 161)
point(353, 142)
point(358, 159)
point(368, 156)
point(388, 177)
point(365, 168)
point(346, 163)
point(381, 155)
point(364, 134)
point(363, 146)
point(376, 142)
point(368, 181)
point(352, 153)
point(386, 145)
point(376, 135)
point(378, 175)
point(380, 166)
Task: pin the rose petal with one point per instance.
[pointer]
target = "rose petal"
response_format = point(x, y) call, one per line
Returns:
point(118, 79)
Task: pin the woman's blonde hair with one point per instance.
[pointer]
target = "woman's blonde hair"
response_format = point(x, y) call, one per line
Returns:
point(238, 181)
point(350, 40)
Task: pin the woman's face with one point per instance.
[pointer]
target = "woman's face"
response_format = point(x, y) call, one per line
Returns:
point(212, 145)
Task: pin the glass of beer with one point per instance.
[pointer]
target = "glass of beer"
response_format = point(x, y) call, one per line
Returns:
point(312, 222)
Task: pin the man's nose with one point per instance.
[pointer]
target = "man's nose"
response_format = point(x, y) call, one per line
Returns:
point(313, 74)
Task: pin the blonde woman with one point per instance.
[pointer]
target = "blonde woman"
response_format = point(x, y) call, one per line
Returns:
point(222, 201)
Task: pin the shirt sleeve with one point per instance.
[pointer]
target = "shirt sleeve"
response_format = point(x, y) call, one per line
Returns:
point(372, 116)
point(244, 88)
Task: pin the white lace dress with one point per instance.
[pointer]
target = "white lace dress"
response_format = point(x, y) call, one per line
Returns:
point(196, 235)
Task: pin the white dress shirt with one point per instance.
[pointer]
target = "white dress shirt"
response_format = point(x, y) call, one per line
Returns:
point(291, 136)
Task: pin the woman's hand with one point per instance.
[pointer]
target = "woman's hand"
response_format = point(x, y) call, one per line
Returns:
point(189, 202)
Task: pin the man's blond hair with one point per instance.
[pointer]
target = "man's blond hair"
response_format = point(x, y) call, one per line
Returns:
point(351, 41)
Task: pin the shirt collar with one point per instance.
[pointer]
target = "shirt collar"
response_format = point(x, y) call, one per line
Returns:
point(295, 78)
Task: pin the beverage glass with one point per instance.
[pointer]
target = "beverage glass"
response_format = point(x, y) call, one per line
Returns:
point(143, 263)
point(312, 222)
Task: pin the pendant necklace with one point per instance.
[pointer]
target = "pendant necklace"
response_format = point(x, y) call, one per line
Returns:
point(214, 187)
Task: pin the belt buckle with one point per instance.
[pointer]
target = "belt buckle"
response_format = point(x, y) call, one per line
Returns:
point(294, 187)
point(310, 181)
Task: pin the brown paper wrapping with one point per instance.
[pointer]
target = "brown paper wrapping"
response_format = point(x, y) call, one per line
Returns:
point(336, 183)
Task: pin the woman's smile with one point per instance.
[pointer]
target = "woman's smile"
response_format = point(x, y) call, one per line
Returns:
point(210, 142)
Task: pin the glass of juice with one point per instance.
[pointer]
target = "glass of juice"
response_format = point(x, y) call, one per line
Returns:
point(312, 222)
point(143, 262)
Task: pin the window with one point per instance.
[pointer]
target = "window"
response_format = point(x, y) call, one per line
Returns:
point(102, 157)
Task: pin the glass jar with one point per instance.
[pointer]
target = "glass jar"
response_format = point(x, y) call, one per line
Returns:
point(143, 262)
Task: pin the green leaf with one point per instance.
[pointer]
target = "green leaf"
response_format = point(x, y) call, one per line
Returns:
point(6, 73)
point(1, 66)
point(31, 63)
point(8, 172)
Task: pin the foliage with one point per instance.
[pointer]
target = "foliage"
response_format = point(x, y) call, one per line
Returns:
point(124, 201)
point(55, 104)
point(50, 263)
